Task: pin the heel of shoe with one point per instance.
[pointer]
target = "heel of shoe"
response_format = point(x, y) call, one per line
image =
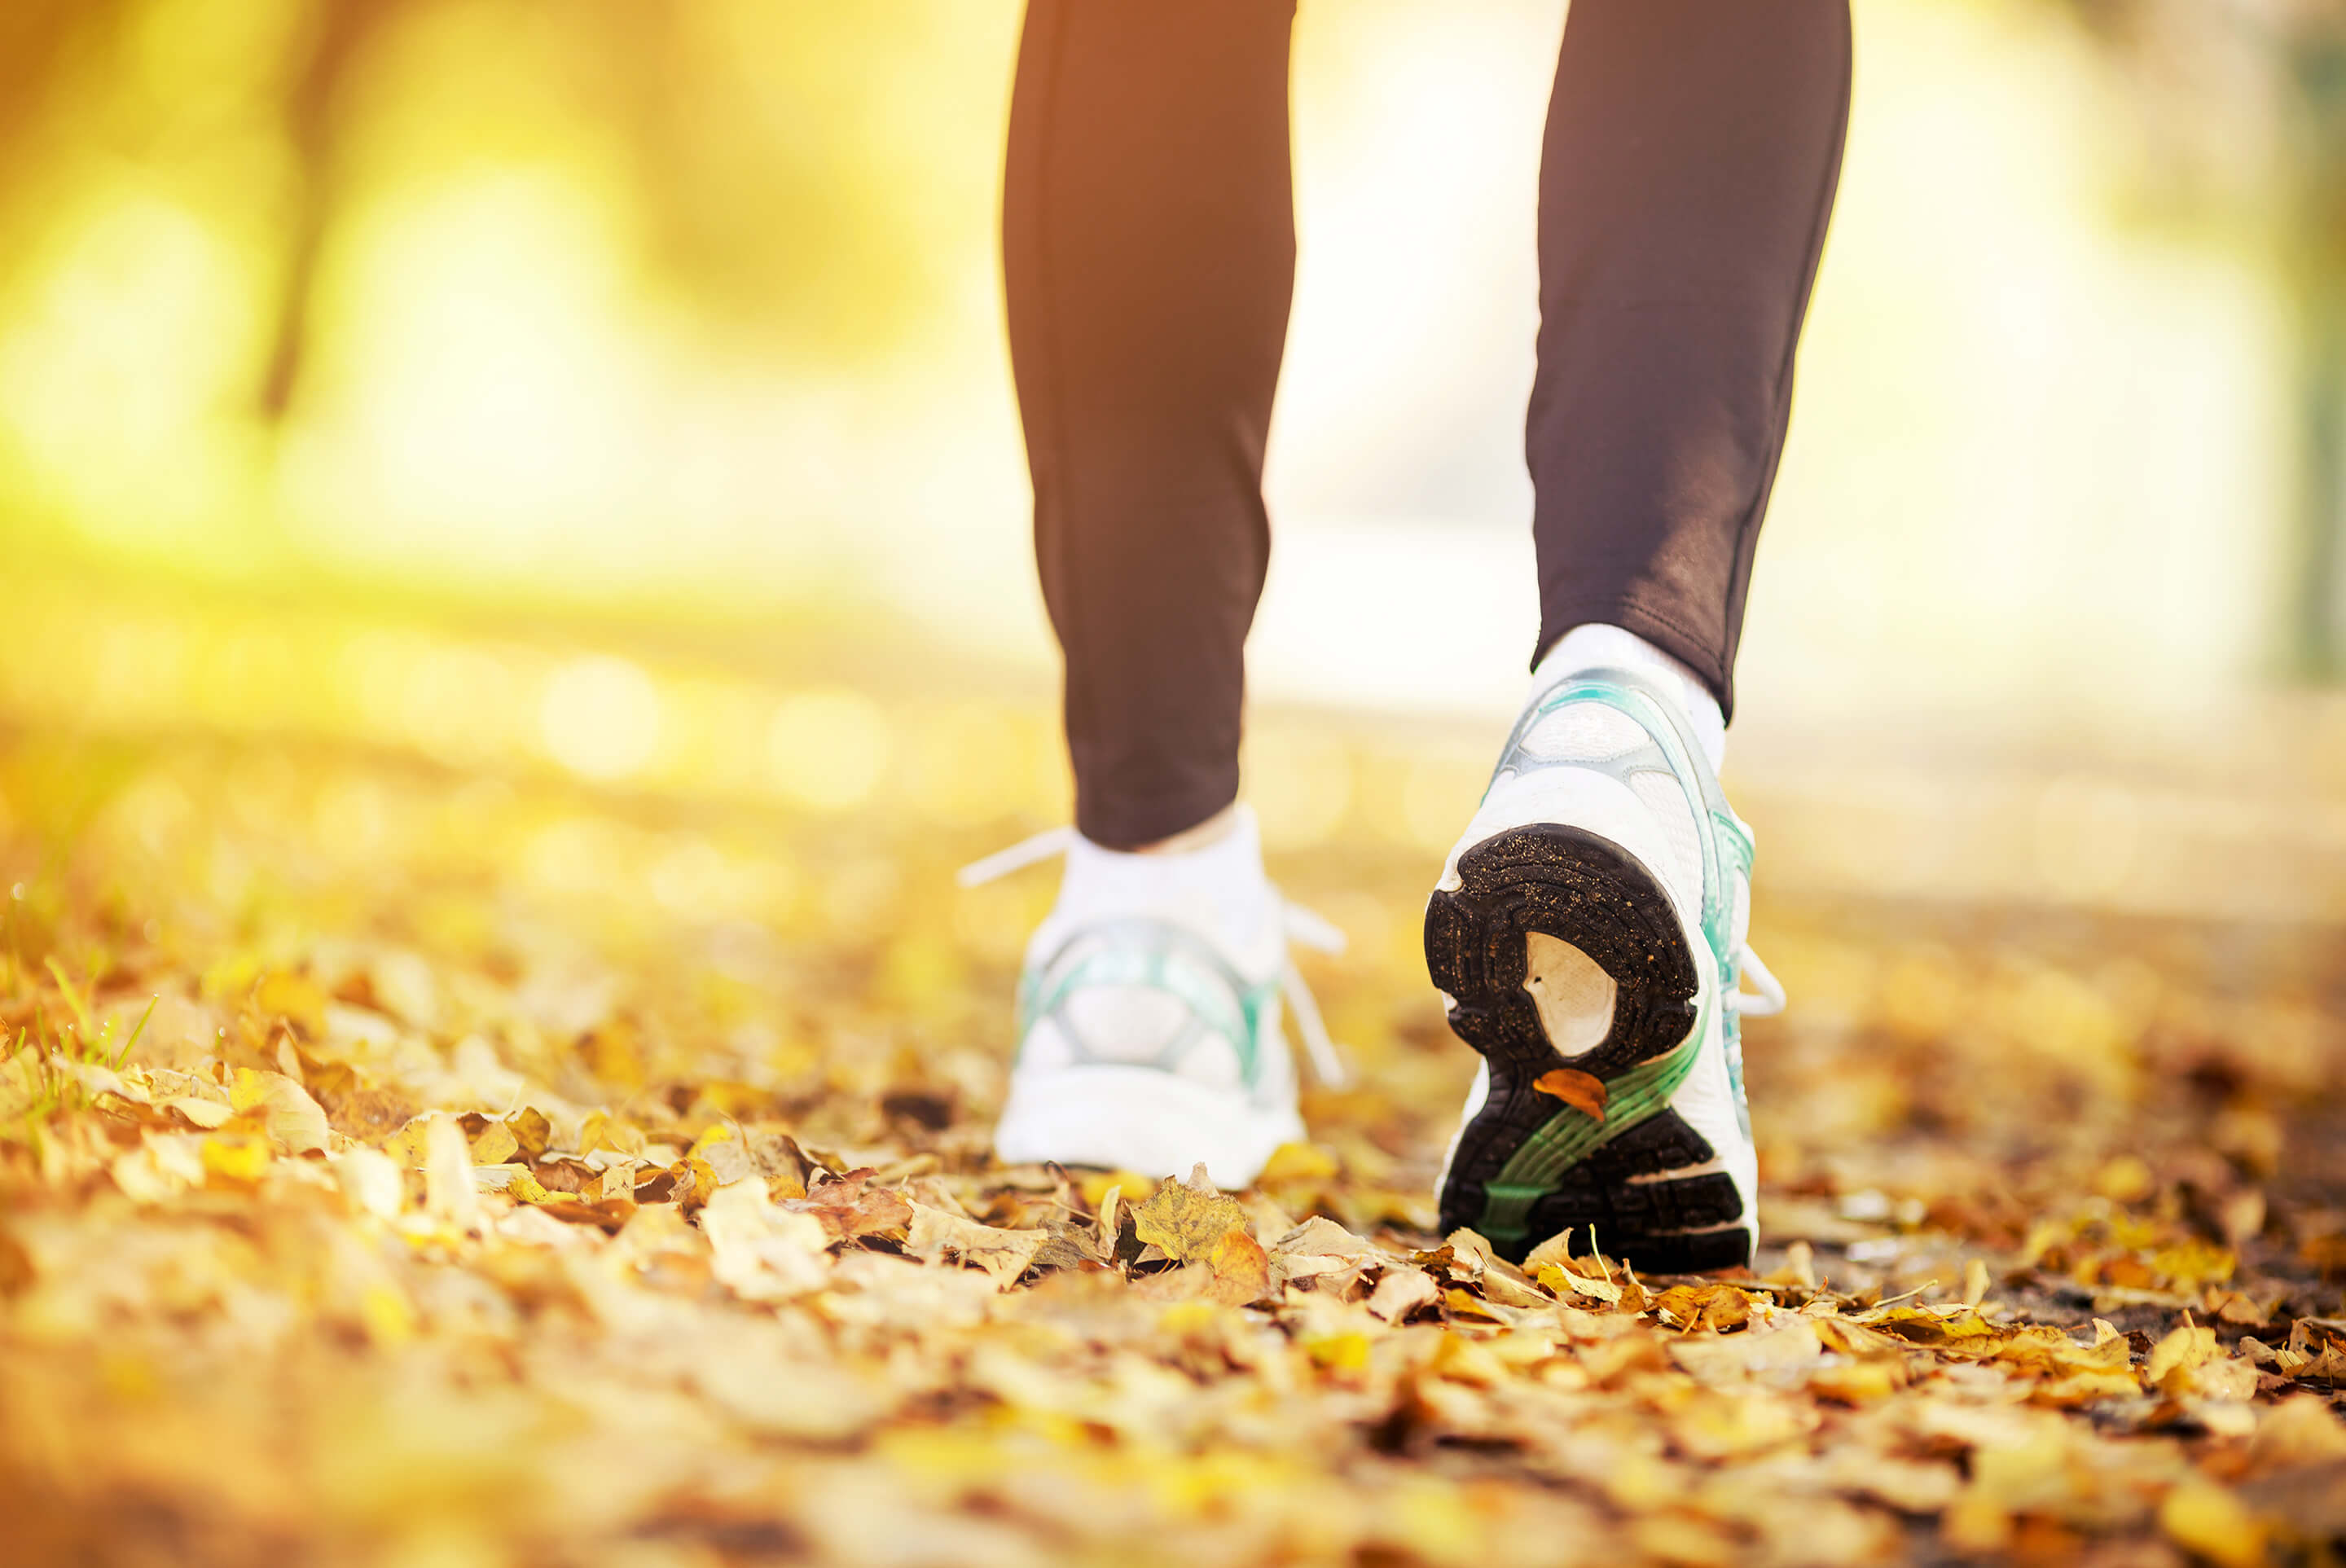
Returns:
point(1532, 1161)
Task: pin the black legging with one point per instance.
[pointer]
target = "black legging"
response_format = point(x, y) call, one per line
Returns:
point(1148, 239)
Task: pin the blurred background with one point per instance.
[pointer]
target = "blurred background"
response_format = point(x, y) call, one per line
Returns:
point(617, 387)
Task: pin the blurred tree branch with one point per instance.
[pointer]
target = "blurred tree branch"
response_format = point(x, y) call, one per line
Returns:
point(342, 34)
point(767, 165)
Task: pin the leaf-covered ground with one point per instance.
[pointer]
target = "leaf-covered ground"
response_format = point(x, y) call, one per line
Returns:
point(422, 1156)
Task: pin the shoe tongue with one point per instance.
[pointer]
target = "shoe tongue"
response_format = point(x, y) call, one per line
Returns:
point(1218, 890)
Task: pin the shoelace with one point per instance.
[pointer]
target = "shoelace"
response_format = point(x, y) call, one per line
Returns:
point(1303, 928)
point(1771, 996)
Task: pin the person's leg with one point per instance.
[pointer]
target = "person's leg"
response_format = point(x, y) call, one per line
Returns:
point(1587, 931)
point(1691, 155)
point(1148, 244)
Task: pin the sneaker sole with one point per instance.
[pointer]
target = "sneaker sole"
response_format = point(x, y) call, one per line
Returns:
point(1590, 894)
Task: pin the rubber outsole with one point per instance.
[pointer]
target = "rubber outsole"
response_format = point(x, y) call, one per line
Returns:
point(1582, 888)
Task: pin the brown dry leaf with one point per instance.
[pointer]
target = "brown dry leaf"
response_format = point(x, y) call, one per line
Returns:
point(1582, 1091)
point(688, 1182)
point(1720, 1307)
point(853, 1207)
point(609, 1214)
point(1004, 1255)
point(1720, 1358)
point(1323, 1254)
point(1188, 1219)
point(1402, 1292)
point(729, 1161)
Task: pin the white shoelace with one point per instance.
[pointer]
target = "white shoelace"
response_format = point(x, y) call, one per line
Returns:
point(1770, 997)
point(1303, 928)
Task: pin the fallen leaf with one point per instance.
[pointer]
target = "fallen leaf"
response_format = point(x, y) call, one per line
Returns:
point(1720, 1308)
point(1721, 1359)
point(2185, 1346)
point(1323, 1254)
point(1402, 1292)
point(207, 1114)
point(495, 1144)
point(854, 1206)
point(2301, 1430)
point(760, 1251)
point(450, 1194)
point(1241, 1270)
point(371, 1180)
point(236, 1156)
point(936, 1237)
point(2207, 1521)
point(1582, 1091)
point(1188, 1219)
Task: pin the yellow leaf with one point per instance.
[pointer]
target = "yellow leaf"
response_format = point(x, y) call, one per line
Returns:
point(236, 1156)
point(407, 1146)
point(496, 1145)
point(1462, 1361)
point(296, 999)
point(1346, 1352)
point(1297, 1162)
point(1241, 1270)
point(531, 1132)
point(2184, 1348)
point(1857, 1382)
point(207, 1114)
point(293, 1119)
point(528, 1187)
point(1565, 1282)
point(385, 1316)
point(2127, 1178)
point(1188, 1219)
point(1096, 1184)
point(2203, 1519)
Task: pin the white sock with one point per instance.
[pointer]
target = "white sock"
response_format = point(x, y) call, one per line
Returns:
point(1219, 890)
point(1597, 646)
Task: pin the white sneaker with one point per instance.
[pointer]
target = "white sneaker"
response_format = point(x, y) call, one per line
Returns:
point(1592, 918)
point(1149, 1012)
